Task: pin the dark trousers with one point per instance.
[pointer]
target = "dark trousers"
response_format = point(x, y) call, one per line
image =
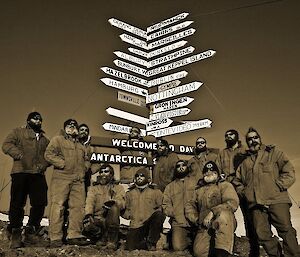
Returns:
point(279, 216)
point(249, 227)
point(148, 234)
point(23, 185)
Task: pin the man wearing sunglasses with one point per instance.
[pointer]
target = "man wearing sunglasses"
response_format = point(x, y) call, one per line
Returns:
point(202, 154)
point(263, 179)
point(27, 145)
point(143, 209)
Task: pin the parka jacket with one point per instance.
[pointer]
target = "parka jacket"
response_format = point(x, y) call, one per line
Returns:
point(69, 158)
point(264, 180)
point(175, 197)
point(163, 171)
point(196, 163)
point(28, 152)
point(215, 197)
point(98, 194)
point(140, 204)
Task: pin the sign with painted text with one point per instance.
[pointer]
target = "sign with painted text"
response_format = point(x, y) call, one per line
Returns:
point(126, 115)
point(168, 85)
point(167, 78)
point(131, 58)
point(131, 99)
point(134, 41)
point(127, 27)
point(189, 126)
point(170, 114)
point(173, 92)
point(171, 104)
point(158, 124)
point(120, 128)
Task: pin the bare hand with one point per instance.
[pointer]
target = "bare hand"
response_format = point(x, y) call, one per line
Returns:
point(207, 220)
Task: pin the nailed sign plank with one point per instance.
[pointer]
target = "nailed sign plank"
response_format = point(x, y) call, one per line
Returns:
point(131, 99)
point(126, 115)
point(120, 128)
point(167, 78)
point(134, 41)
point(125, 26)
point(170, 114)
point(171, 104)
point(158, 124)
point(131, 58)
point(189, 126)
point(130, 67)
point(173, 92)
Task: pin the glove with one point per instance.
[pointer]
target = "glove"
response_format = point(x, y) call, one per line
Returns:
point(108, 204)
point(88, 219)
point(207, 220)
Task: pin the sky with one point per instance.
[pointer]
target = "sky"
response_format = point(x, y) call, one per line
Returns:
point(51, 53)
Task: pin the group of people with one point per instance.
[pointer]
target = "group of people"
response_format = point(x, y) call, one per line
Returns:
point(199, 195)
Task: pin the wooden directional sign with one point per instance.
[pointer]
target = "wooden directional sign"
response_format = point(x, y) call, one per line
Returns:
point(120, 128)
point(169, 30)
point(158, 124)
point(170, 114)
point(173, 92)
point(172, 56)
point(171, 104)
point(124, 86)
point(125, 76)
point(131, 58)
point(167, 22)
point(171, 38)
point(134, 41)
point(182, 62)
point(131, 99)
point(127, 115)
point(168, 85)
point(205, 123)
point(125, 26)
point(130, 67)
point(167, 78)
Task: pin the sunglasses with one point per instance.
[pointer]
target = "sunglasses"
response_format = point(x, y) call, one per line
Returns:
point(180, 165)
point(201, 143)
point(37, 118)
point(140, 175)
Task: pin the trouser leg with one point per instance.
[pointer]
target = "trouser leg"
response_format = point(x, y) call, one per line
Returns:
point(281, 219)
point(202, 243)
point(113, 223)
point(76, 209)
point(180, 238)
point(18, 196)
point(136, 239)
point(155, 226)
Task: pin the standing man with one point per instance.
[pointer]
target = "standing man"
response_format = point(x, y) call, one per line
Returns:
point(163, 171)
point(27, 145)
point(143, 209)
point(263, 179)
point(202, 156)
point(229, 160)
point(70, 160)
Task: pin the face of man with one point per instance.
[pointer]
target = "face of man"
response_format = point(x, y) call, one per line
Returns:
point(200, 145)
point(105, 176)
point(181, 169)
point(71, 129)
point(161, 148)
point(211, 176)
point(83, 132)
point(253, 141)
point(230, 138)
point(140, 179)
point(36, 122)
point(134, 133)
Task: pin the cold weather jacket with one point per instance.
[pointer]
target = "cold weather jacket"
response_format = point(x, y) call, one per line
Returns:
point(175, 197)
point(69, 158)
point(28, 152)
point(215, 197)
point(163, 171)
point(140, 204)
point(264, 180)
point(99, 194)
point(196, 163)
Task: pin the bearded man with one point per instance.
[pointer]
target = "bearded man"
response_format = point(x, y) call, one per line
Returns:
point(27, 145)
point(70, 160)
point(105, 200)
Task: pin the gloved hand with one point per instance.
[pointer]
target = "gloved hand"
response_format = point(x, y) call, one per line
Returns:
point(108, 204)
point(207, 220)
point(88, 219)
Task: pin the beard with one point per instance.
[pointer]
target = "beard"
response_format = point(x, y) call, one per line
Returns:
point(254, 147)
point(211, 178)
point(231, 142)
point(73, 132)
point(181, 174)
point(36, 127)
point(200, 150)
point(103, 180)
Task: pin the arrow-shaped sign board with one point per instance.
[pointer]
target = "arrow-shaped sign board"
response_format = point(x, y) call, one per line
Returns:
point(173, 92)
point(167, 22)
point(205, 123)
point(120, 128)
point(158, 124)
point(131, 58)
point(125, 26)
point(170, 114)
point(124, 86)
point(130, 67)
point(131, 99)
point(134, 41)
point(171, 104)
point(182, 62)
point(126, 115)
point(168, 85)
point(167, 78)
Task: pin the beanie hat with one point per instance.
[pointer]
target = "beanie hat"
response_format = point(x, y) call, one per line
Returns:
point(70, 122)
point(143, 171)
point(32, 115)
point(210, 166)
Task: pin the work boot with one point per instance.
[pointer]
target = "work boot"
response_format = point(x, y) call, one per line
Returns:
point(80, 241)
point(16, 238)
point(112, 238)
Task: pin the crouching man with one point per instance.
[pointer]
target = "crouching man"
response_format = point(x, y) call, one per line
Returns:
point(212, 210)
point(143, 208)
point(105, 200)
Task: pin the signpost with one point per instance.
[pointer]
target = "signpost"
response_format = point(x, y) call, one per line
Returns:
point(170, 114)
point(168, 85)
point(158, 124)
point(131, 58)
point(126, 115)
point(134, 41)
point(125, 26)
point(131, 99)
point(171, 104)
point(167, 78)
point(120, 128)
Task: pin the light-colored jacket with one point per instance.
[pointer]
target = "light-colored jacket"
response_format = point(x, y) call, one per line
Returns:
point(141, 204)
point(175, 197)
point(69, 158)
point(217, 197)
point(265, 180)
point(97, 195)
point(28, 152)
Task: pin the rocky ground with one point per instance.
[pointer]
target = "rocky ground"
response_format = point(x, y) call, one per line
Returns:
point(241, 249)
